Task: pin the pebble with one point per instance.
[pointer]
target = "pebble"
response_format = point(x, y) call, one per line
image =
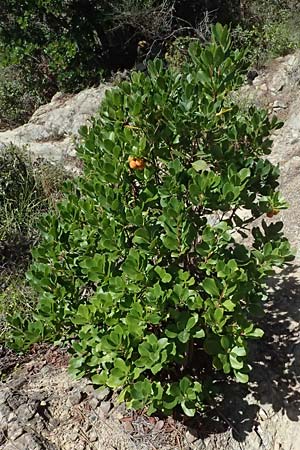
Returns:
point(26, 412)
point(101, 394)
point(94, 402)
point(106, 407)
point(191, 436)
point(128, 427)
point(93, 436)
point(75, 397)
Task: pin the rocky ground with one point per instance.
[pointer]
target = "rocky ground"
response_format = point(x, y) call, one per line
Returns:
point(41, 408)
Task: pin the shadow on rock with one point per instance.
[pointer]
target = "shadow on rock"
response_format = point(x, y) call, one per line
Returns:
point(275, 378)
point(276, 358)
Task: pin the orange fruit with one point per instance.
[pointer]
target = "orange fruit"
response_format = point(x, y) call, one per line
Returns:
point(140, 163)
point(272, 213)
point(136, 163)
point(132, 164)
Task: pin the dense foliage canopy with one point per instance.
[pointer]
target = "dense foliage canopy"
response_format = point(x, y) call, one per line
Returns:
point(144, 268)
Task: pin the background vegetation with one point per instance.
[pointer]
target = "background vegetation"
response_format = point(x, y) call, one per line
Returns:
point(27, 191)
point(50, 45)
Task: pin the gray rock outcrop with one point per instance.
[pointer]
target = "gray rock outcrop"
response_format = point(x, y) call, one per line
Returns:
point(51, 130)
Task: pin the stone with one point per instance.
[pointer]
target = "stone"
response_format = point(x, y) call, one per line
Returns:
point(14, 431)
point(191, 436)
point(277, 104)
point(101, 394)
point(4, 394)
point(279, 80)
point(93, 436)
point(26, 411)
point(128, 427)
point(106, 407)
point(54, 422)
point(11, 417)
point(15, 400)
point(75, 397)
point(74, 436)
point(25, 442)
point(94, 402)
point(2, 437)
point(4, 413)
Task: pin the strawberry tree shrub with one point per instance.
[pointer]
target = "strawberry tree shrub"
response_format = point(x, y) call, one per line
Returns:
point(144, 268)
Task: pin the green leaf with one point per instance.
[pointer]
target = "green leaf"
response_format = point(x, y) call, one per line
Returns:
point(199, 165)
point(210, 286)
point(234, 362)
point(229, 305)
point(170, 242)
point(225, 342)
point(199, 334)
point(257, 333)
point(238, 351)
point(188, 411)
point(218, 314)
point(99, 379)
point(241, 377)
point(183, 336)
point(163, 274)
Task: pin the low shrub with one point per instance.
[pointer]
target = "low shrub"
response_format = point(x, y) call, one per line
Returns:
point(143, 267)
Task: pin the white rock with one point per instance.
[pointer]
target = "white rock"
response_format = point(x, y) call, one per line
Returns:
point(51, 130)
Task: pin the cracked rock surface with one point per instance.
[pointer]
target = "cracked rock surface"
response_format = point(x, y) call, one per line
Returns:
point(52, 129)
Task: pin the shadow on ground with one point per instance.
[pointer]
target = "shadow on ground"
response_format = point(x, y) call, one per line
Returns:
point(275, 360)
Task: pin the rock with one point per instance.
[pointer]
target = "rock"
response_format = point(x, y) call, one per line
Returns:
point(279, 105)
point(93, 402)
point(4, 394)
point(4, 413)
point(191, 436)
point(25, 442)
point(11, 417)
point(101, 394)
point(106, 407)
point(75, 397)
point(128, 427)
point(15, 400)
point(2, 437)
point(159, 425)
point(14, 431)
point(278, 82)
point(93, 436)
point(26, 411)
point(50, 131)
